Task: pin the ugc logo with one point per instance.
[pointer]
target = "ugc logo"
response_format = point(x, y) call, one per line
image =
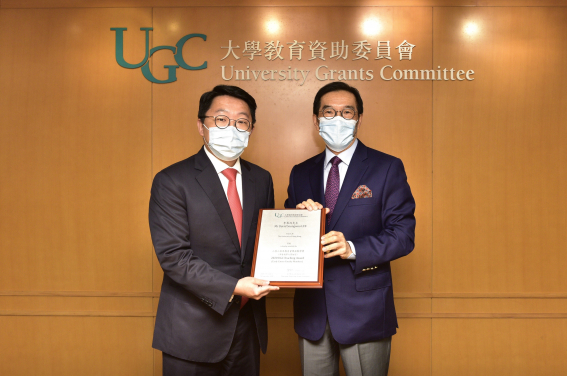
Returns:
point(177, 53)
point(278, 215)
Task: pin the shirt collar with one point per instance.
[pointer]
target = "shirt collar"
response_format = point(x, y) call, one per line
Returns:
point(219, 165)
point(345, 155)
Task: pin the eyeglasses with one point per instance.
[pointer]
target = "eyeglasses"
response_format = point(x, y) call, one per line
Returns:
point(329, 113)
point(223, 121)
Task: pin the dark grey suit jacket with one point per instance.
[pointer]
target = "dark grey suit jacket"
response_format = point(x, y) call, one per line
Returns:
point(197, 246)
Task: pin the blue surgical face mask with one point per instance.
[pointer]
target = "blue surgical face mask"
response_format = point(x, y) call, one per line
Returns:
point(227, 144)
point(338, 132)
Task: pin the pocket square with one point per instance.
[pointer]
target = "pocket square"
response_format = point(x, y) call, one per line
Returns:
point(362, 192)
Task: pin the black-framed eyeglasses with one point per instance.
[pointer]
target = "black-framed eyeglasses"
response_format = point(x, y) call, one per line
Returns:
point(329, 113)
point(223, 121)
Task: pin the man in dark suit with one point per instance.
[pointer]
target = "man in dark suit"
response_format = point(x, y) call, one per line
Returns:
point(211, 317)
point(370, 222)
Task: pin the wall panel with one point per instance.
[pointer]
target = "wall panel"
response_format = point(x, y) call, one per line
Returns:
point(285, 135)
point(499, 347)
point(483, 293)
point(499, 151)
point(75, 346)
point(411, 348)
point(75, 151)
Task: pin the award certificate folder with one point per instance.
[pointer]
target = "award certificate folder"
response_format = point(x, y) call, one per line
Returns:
point(288, 250)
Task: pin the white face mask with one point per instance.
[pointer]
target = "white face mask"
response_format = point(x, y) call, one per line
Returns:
point(227, 144)
point(337, 132)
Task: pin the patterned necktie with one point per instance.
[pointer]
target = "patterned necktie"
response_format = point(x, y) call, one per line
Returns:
point(333, 187)
point(235, 208)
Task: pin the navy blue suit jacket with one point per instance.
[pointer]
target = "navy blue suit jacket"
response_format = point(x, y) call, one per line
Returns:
point(357, 297)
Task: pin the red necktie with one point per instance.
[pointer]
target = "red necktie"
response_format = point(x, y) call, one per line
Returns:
point(235, 208)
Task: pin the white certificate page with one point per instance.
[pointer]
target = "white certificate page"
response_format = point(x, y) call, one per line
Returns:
point(288, 246)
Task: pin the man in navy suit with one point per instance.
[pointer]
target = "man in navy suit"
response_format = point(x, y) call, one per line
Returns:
point(211, 317)
point(370, 222)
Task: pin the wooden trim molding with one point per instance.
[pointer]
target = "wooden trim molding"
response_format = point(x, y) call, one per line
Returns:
point(289, 315)
point(79, 313)
point(283, 312)
point(407, 315)
point(31, 4)
point(97, 294)
point(288, 293)
point(489, 295)
point(476, 315)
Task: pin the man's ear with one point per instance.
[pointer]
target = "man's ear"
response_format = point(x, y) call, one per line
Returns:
point(316, 122)
point(359, 123)
point(200, 127)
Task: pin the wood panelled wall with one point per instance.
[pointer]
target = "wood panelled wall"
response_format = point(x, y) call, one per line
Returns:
point(484, 292)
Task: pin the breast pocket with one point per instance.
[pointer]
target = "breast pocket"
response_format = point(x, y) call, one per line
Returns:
point(363, 201)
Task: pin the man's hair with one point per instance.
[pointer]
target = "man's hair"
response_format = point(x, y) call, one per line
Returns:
point(337, 86)
point(232, 91)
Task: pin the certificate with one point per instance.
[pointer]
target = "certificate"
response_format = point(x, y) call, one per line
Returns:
point(288, 250)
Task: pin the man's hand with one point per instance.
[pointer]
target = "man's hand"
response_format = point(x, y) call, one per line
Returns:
point(253, 288)
point(335, 244)
point(311, 205)
point(333, 241)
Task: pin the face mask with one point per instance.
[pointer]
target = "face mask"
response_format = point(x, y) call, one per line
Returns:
point(337, 132)
point(227, 144)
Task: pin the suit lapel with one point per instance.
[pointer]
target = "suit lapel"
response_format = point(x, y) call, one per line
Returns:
point(316, 179)
point(210, 182)
point(356, 170)
point(248, 205)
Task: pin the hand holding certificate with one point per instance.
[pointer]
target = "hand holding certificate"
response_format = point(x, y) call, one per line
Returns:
point(288, 250)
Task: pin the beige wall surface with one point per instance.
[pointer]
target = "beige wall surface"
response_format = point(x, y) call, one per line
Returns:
point(81, 138)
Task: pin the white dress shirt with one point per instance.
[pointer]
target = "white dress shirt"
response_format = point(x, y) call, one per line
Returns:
point(220, 166)
point(345, 157)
